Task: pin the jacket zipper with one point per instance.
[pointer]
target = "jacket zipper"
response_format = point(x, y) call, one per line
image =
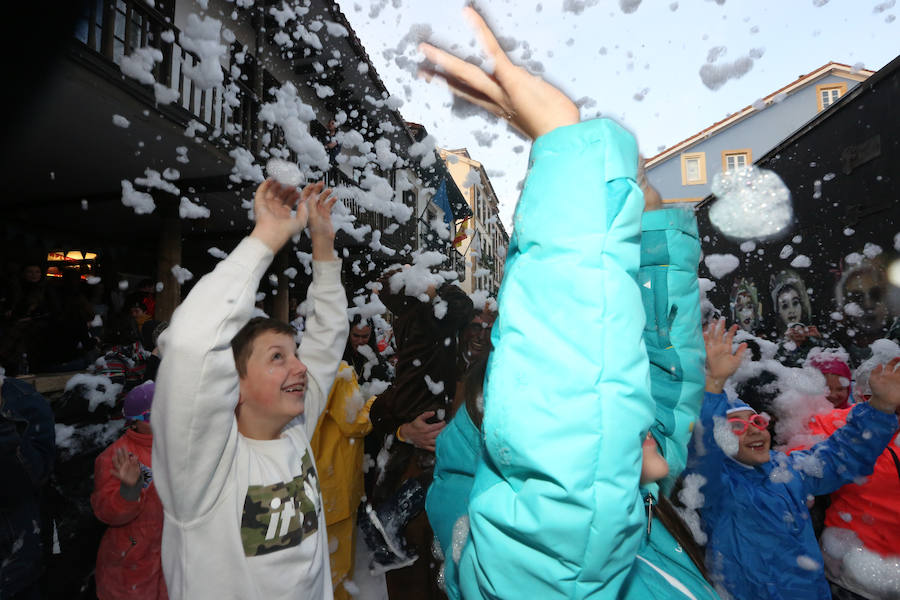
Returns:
point(133, 544)
point(649, 502)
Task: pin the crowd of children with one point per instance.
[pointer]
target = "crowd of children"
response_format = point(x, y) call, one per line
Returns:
point(590, 443)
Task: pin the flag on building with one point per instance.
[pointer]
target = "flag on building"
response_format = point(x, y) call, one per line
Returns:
point(475, 246)
point(442, 201)
point(461, 232)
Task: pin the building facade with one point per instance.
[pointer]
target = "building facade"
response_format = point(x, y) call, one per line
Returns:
point(186, 101)
point(481, 240)
point(684, 173)
point(841, 248)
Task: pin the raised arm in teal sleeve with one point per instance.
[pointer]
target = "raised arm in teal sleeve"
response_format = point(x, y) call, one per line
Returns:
point(670, 253)
point(555, 510)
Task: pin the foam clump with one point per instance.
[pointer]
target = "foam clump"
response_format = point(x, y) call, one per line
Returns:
point(752, 203)
point(284, 172)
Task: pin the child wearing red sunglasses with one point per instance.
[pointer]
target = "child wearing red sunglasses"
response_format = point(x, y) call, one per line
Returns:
point(739, 426)
point(755, 498)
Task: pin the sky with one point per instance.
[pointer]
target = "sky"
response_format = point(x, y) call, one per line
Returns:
point(638, 61)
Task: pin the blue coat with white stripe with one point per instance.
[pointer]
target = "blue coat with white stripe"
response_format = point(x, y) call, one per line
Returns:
point(754, 513)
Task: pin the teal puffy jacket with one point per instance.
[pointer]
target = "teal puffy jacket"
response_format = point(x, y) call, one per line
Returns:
point(670, 253)
point(662, 569)
point(457, 450)
point(555, 509)
point(668, 280)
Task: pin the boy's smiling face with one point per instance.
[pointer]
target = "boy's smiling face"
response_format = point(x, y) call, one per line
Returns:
point(754, 444)
point(274, 386)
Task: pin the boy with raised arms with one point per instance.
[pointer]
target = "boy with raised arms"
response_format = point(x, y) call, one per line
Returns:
point(236, 404)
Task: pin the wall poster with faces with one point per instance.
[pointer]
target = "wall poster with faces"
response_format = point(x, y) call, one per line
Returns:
point(832, 278)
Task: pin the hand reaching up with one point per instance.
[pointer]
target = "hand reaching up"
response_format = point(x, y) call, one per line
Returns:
point(529, 103)
point(721, 360)
point(885, 383)
point(282, 211)
point(125, 467)
point(318, 206)
point(652, 199)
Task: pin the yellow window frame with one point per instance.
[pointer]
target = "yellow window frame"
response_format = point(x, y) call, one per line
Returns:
point(746, 152)
point(701, 157)
point(841, 87)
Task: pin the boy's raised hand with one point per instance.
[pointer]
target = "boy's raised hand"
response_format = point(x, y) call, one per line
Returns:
point(276, 218)
point(529, 103)
point(318, 206)
point(885, 383)
point(721, 360)
point(273, 207)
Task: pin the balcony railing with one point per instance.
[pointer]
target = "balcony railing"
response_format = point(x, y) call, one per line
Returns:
point(115, 28)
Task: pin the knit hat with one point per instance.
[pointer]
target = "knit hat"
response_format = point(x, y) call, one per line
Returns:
point(830, 364)
point(737, 406)
point(138, 400)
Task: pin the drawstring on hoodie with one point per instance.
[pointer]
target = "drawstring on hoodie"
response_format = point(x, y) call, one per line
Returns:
point(649, 502)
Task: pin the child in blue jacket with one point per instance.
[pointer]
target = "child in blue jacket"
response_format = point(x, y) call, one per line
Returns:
point(761, 540)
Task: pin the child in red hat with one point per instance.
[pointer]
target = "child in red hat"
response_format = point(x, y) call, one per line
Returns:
point(837, 377)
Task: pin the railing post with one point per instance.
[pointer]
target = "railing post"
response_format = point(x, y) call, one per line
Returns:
point(108, 29)
point(254, 126)
point(165, 67)
point(129, 11)
point(92, 26)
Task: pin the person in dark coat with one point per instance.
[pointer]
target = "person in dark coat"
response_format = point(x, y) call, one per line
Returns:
point(428, 368)
point(27, 450)
point(408, 416)
point(24, 346)
point(362, 353)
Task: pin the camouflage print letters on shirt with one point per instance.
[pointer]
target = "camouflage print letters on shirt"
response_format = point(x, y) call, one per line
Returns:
point(281, 515)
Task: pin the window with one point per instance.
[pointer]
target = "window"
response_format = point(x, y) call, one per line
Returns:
point(477, 203)
point(736, 159)
point(693, 168)
point(828, 94)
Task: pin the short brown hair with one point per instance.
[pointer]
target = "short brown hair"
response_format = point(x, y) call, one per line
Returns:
point(242, 342)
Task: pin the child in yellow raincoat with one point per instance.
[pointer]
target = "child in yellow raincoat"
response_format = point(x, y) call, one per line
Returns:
point(338, 447)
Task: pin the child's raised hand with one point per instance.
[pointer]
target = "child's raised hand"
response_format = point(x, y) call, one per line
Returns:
point(721, 360)
point(276, 219)
point(126, 467)
point(885, 383)
point(318, 207)
point(529, 103)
